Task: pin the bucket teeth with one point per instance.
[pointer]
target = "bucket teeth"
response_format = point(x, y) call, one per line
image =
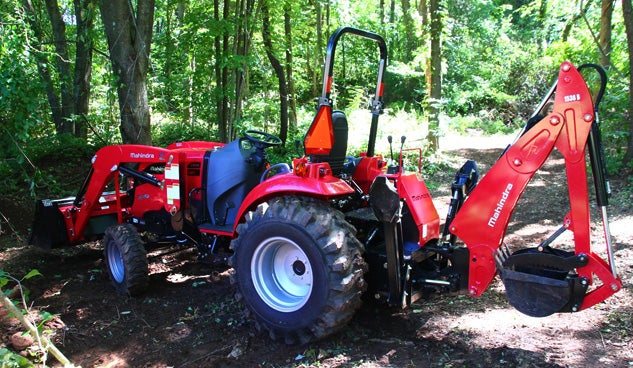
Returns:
point(502, 255)
point(534, 260)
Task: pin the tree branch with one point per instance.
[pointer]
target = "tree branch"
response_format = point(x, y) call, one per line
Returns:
point(50, 347)
point(597, 42)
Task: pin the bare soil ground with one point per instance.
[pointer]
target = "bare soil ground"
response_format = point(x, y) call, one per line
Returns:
point(188, 317)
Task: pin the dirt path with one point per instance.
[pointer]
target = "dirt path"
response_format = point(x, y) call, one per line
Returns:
point(188, 317)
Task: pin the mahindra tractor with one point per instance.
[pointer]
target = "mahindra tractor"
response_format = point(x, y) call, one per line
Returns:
point(308, 242)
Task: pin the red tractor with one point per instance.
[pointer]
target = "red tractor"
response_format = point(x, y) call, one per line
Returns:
point(307, 241)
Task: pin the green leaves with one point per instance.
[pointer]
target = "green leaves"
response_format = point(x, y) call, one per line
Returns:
point(5, 277)
point(10, 359)
point(32, 274)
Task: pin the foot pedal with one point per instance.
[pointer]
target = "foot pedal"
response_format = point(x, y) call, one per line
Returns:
point(540, 283)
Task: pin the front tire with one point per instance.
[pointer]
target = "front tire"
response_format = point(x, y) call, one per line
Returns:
point(299, 268)
point(126, 259)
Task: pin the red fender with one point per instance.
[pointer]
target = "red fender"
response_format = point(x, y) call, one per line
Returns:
point(318, 182)
point(415, 193)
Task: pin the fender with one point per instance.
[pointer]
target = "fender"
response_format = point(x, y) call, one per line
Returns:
point(318, 183)
point(200, 145)
point(415, 193)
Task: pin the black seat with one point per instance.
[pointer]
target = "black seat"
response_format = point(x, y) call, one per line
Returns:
point(224, 188)
point(337, 155)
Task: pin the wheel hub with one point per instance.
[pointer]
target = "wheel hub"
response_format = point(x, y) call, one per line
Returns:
point(115, 263)
point(282, 274)
point(299, 268)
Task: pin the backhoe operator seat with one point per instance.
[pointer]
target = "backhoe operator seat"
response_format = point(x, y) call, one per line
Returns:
point(337, 155)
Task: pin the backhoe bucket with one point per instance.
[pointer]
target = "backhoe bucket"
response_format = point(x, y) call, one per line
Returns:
point(541, 283)
point(49, 228)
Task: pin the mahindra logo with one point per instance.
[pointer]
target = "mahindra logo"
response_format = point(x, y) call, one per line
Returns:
point(502, 202)
point(141, 155)
point(420, 196)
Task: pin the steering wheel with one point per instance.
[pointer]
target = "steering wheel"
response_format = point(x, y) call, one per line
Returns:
point(261, 139)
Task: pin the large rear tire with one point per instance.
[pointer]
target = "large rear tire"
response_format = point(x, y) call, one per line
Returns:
point(126, 259)
point(299, 268)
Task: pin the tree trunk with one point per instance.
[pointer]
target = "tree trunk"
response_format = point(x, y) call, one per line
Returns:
point(541, 36)
point(225, 76)
point(63, 67)
point(435, 82)
point(627, 12)
point(83, 63)
point(279, 71)
point(409, 33)
point(605, 32)
point(219, 106)
point(319, 48)
point(129, 37)
point(42, 65)
point(168, 93)
point(424, 14)
point(327, 16)
point(70, 98)
point(570, 24)
point(244, 14)
point(381, 14)
point(289, 64)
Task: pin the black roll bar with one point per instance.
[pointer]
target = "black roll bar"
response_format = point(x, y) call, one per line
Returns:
point(377, 103)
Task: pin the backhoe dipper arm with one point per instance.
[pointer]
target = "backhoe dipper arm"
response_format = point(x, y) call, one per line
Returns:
point(106, 164)
point(483, 219)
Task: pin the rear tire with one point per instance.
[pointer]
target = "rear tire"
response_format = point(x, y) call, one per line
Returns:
point(126, 259)
point(299, 268)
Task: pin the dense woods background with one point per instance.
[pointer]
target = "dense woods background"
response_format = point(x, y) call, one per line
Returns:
point(84, 73)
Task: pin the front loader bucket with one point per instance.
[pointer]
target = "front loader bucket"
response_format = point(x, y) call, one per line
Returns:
point(541, 283)
point(49, 228)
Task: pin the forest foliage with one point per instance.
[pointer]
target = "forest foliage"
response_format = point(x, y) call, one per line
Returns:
point(214, 69)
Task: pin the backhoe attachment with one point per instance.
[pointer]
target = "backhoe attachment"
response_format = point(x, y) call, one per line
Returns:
point(541, 281)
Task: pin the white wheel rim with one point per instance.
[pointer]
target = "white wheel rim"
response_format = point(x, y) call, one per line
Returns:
point(282, 274)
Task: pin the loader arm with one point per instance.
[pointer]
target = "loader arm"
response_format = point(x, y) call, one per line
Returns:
point(482, 221)
point(106, 165)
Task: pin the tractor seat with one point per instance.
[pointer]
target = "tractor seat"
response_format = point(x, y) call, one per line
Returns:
point(336, 158)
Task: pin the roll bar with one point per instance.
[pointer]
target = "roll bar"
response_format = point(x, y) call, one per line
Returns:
point(376, 104)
